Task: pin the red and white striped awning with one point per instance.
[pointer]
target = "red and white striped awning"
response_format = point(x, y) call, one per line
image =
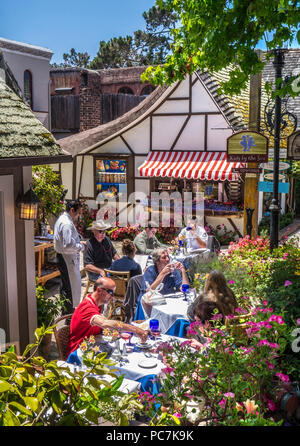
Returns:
point(211, 166)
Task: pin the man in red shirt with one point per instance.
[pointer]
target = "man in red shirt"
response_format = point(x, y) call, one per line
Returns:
point(87, 319)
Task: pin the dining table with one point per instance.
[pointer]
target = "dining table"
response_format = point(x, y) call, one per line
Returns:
point(171, 315)
point(140, 364)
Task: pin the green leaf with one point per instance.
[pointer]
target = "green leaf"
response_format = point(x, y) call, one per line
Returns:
point(92, 415)
point(20, 407)
point(5, 386)
point(10, 419)
point(31, 402)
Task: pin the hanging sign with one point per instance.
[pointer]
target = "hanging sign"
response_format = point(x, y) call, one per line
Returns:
point(270, 166)
point(293, 146)
point(247, 147)
point(269, 176)
point(267, 186)
point(247, 170)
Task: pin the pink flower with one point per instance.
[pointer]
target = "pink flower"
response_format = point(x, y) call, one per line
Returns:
point(229, 395)
point(275, 318)
point(231, 282)
point(270, 365)
point(287, 283)
point(265, 303)
point(285, 255)
point(217, 316)
point(284, 378)
point(177, 415)
point(271, 406)
point(168, 370)
point(298, 322)
point(222, 403)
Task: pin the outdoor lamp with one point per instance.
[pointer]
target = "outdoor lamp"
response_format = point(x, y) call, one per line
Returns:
point(28, 205)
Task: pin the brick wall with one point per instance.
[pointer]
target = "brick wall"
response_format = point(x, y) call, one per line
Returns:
point(90, 101)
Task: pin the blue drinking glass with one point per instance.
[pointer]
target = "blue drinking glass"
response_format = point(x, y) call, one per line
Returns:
point(154, 325)
point(185, 287)
point(154, 328)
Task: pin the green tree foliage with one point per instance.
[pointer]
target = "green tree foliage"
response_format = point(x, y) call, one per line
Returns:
point(74, 59)
point(148, 46)
point(213, 34)
point(46, 185)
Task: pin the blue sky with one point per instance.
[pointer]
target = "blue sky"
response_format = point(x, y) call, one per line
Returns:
point(64, 24)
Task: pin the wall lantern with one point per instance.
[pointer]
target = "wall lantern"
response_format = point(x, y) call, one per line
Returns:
point(28, 205)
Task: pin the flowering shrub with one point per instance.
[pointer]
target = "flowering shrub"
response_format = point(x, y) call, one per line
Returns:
point(222, 234)
point(225, 384)
point(119, 233)
point(85, 220)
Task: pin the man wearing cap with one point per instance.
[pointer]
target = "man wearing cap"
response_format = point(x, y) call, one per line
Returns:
point(100, 251)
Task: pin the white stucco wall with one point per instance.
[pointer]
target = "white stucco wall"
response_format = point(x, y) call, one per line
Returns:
point(39, 67)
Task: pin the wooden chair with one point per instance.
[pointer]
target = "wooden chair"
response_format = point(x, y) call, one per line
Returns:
point(61, 336)
point(88, 284)
point(116, 308)
point(7, 345)
point(237, 326)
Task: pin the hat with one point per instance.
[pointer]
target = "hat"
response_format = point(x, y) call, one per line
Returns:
point(99, 225)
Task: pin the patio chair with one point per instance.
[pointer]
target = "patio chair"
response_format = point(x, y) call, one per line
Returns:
point(61, 335)
point(237, 326)
point(88, 285)
point(116, 308)
point(7, 345)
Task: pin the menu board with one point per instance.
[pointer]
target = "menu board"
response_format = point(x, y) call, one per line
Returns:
point(110, 174)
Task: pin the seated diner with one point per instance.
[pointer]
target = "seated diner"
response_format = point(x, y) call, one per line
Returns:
point(88, 320)
point(100, 251)
point(172, 275)
point(194, 234)
point(126, 263)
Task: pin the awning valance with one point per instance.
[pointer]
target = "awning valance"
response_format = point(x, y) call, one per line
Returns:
point(210, 166)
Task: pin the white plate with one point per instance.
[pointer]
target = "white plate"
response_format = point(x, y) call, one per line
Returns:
point(145, 345)
point(148, 363)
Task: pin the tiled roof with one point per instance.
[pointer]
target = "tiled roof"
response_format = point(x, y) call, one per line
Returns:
point(21, 133)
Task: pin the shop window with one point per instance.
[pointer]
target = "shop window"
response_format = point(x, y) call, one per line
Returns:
point(111, 178)
point(28, 88)
point(147, 90)
point(125, 90)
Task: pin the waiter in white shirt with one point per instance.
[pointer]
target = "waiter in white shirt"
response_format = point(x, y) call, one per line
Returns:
point(68, 246)
point(195, 236)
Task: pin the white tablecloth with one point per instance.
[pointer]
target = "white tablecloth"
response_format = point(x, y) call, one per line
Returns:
point(127, 386)
point(167, 314)
point(131, 369)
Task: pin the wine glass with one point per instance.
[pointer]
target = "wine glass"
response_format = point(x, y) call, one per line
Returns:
point(185, 287)
point(126, 337)
point(154, 327)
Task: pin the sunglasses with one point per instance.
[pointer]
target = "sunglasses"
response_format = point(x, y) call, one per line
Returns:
point(109, 291)
point(102, 231)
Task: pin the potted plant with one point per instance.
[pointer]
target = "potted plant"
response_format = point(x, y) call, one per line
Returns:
point(48, 308)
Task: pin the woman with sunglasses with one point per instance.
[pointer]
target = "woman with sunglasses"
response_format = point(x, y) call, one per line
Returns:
point(88, 319)
point(100, 251)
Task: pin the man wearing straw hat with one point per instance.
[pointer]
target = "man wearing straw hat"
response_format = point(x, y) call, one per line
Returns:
point(100, 251)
